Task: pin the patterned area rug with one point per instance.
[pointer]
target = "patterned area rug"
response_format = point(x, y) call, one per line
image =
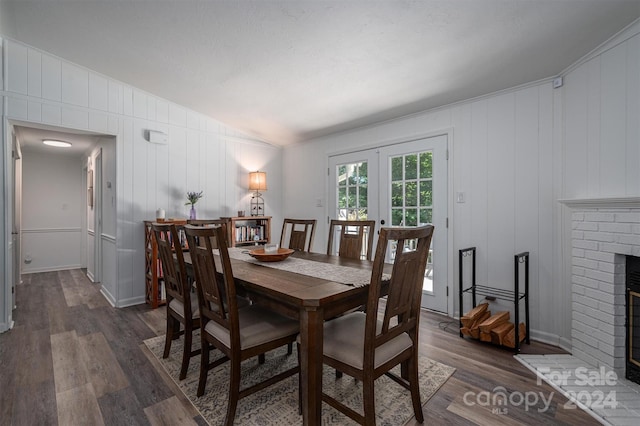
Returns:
point(278, 404)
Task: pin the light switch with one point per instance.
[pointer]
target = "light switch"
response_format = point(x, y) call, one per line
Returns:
point(459, 197)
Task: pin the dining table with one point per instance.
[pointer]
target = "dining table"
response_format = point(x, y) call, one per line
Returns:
point(308, 294)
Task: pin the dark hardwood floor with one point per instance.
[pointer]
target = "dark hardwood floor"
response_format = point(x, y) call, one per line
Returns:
point(72, 359)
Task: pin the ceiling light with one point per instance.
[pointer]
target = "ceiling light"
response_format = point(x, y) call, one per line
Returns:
point(59, 144)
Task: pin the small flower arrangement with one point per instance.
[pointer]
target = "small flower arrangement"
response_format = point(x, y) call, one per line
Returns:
point(193, 198)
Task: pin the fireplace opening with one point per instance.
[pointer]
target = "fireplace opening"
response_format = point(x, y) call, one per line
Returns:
point(632, 321)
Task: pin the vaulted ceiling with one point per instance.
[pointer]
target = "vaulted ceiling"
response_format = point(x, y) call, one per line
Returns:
point(287, 71)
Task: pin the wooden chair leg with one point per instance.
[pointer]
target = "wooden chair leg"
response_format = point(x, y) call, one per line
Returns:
point(289, 348)
point(368, 399)
point(169, 335)
point(415, 388)
point(404, 370)
point(204, 367)
point(299, 381)
point(186, 352)
point(234, 391)
point(261, 359)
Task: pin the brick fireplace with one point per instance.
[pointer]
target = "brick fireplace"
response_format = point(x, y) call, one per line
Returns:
point(604, 232)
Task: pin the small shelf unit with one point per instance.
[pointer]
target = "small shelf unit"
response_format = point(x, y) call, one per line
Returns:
point(518, 296)
point(248, 230)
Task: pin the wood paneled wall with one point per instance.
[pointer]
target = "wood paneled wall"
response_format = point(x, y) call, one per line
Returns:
point(201, 154)
point(515, 154)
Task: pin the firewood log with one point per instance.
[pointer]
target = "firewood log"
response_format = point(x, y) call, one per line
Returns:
point(470, 317)
point(498, 334)
point(494, 321)
point(510, 339)
point(474, 330)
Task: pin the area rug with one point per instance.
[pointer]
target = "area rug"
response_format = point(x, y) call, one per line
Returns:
point(278, 404)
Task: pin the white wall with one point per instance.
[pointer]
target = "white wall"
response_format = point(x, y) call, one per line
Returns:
point(513, 156)
point(201, 154)
point(601, 150)
point(52, 205)
point(602, 116)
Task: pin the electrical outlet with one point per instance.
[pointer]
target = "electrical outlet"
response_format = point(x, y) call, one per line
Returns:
point(459, 197)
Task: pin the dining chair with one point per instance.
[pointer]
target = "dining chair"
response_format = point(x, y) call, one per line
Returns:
point(239, 334)
point(182, 305)
point(299, 232)
point(353, 234)
point(365, 347)
point(207, 222)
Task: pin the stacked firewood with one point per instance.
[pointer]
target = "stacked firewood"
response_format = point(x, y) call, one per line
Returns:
point(478, 323)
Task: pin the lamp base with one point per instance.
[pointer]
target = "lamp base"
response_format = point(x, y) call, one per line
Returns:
point(257, 205)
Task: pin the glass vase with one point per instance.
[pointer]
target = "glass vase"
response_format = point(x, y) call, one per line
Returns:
point(192, 212)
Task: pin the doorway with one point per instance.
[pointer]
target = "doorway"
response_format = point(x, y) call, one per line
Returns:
point(55, 220)
point(402, 184)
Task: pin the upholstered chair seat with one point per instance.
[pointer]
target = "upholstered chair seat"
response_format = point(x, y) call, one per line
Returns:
point(178, 307)
point(344, 341)
point(257, 326)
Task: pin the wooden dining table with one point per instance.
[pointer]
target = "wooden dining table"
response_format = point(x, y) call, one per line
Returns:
point(308, 299)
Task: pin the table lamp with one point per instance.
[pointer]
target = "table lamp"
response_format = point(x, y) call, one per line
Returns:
point(257, 183)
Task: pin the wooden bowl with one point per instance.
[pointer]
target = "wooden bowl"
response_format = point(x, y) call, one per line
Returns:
point(281, 254)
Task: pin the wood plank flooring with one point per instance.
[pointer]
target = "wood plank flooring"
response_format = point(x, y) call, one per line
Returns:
point(72, 359)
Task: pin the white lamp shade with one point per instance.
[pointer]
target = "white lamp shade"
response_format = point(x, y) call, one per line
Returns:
point(258, 181)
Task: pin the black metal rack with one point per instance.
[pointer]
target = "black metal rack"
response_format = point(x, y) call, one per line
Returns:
point(515, 295)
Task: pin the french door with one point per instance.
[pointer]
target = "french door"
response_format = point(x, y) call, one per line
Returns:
point(403, 184)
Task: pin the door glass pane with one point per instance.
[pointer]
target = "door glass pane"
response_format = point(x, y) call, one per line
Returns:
point(426, 216)
point(426, 164)
point(411, 167)
point(396, 169)
point(342, 173)
point(342, 198)
point(412, 196)
point(397, 199)
point(352, 191)
point(396, 217)
point(411, 217)
point(426, 193)
point(353, 196)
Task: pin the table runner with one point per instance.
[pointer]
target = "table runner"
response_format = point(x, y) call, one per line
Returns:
point(338, 273)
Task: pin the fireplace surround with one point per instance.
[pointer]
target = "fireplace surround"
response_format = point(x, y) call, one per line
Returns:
point(632, 322)
point(603, 233)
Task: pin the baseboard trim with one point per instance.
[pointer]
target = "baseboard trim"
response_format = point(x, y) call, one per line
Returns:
point(52, 269)
point(131, 302)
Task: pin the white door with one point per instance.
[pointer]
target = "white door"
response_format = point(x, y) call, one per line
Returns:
point(403, 184)
point(17, 216)
point(414, 193)
point(97, 188)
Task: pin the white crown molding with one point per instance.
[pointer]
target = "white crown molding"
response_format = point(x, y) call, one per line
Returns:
point(602, 203)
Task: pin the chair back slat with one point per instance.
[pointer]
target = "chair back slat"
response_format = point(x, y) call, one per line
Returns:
point(215, 284)
point(402, 308)
point(353, 235)
point(207, 222)
point(173, 269)
point(300, 232)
